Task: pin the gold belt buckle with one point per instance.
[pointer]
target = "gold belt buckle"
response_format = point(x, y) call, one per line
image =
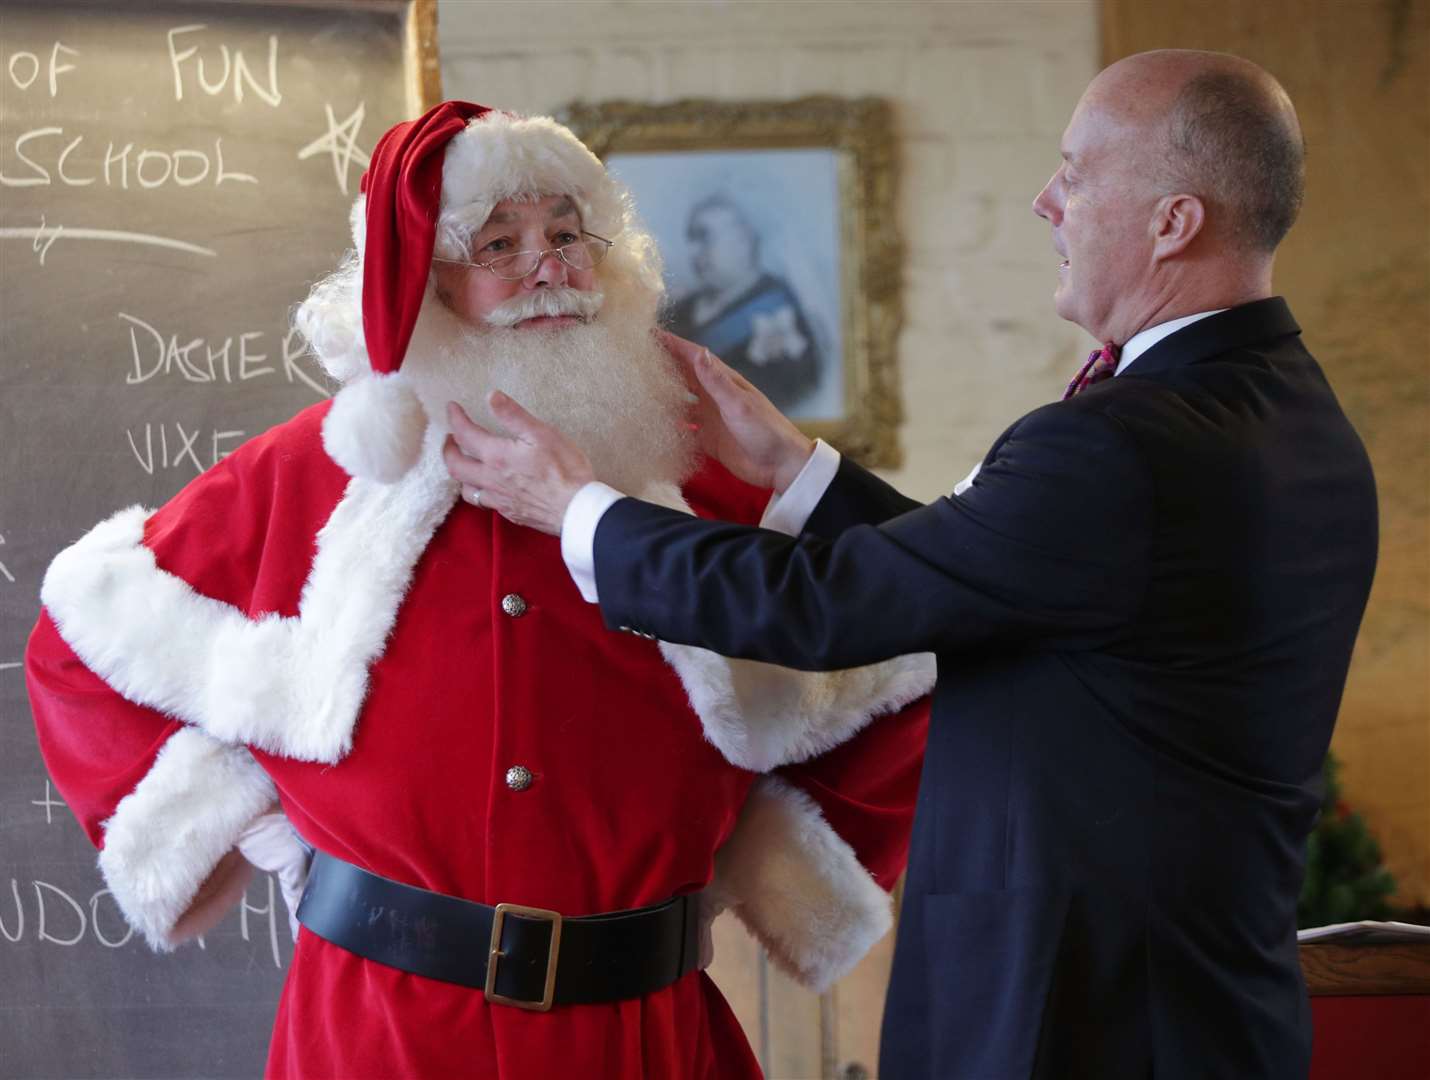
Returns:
point(553, 951)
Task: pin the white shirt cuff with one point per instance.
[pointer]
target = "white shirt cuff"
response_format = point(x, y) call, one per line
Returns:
point(578, 534)
point(967, 482)
point(789, 513)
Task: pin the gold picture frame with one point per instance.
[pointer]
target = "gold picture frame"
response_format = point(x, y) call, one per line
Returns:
point(861, 410)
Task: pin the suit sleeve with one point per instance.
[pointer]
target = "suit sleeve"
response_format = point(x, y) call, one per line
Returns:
point(1049, 544)
point(856, 497)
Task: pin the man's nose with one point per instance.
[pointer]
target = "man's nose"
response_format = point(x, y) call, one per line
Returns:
point(1045, 206)
point(550, 272)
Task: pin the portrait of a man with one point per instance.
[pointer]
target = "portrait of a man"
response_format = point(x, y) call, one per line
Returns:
point(751, 247)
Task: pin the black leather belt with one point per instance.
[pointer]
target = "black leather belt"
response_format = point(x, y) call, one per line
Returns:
point(522, 956)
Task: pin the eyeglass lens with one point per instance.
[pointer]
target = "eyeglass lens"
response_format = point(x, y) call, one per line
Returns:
point(579, 255)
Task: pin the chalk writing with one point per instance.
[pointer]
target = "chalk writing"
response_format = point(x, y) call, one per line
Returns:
point(115, 235)
point(271, 910)
point(202, 360)
point(183, 166)
point(24, 67)
point(235, 68)
point(340, 143)
point(221, 363)
point(294, 350)
point(40, 245)
point(55, 917)
point(19, 916)
point(94, 922)
point(4, 570)
point(173, 452)
point(42, 932)
point(47, 803)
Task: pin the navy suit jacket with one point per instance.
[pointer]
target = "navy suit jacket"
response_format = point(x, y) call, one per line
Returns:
point(1143, 611)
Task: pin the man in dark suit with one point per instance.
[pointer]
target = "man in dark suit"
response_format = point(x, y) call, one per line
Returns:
point(1143, 606)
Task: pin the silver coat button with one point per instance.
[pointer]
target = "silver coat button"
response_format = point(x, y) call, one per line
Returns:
point(513, 605)
point(518, 778)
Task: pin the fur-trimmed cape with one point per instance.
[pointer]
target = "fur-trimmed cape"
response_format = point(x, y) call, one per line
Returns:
point(263, 607)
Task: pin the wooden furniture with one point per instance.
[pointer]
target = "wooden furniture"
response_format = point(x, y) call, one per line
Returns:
point(1370, 1005)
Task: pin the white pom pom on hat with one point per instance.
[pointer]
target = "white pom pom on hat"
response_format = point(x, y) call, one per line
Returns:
point(455, 162)
point(375, 428)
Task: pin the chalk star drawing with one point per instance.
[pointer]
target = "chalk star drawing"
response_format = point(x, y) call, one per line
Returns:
point(340, 142)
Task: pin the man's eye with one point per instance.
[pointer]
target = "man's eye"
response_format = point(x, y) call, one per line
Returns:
point(565, 237)
point(501, 243)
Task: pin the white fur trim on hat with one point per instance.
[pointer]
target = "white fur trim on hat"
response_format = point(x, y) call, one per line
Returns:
point(375, 428)
point(499, 156)
point(170, 832)
point(798, 886)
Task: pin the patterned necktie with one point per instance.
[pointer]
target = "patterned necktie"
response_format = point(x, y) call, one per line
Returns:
point(1102, 364)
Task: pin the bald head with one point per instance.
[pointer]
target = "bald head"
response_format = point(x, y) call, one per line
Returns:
point(1181, 172)
point(1218, 127)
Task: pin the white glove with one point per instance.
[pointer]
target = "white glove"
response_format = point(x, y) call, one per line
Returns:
point(271, 844)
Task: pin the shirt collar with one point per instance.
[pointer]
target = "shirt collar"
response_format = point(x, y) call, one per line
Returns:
point(1143, 340)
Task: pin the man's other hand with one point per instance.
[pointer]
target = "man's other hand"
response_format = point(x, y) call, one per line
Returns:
point(528, 478)
point(739, 426)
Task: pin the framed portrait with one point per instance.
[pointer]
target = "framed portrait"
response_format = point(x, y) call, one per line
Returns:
point(776, 224)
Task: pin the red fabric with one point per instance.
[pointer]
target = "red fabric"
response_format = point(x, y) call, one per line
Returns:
point(403, 184)
point(1385, 1037)
point(628, 807)
point(862, 789)
point(1100, 364)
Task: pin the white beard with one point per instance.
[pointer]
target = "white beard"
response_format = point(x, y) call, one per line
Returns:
point(607, 384)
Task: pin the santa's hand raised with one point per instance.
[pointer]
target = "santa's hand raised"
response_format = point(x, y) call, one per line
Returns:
point(528, 477)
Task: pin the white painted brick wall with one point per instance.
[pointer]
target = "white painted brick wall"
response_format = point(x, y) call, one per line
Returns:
point(982, 92)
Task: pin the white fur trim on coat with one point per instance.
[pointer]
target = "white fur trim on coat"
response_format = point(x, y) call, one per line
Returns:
point(761, 716)
point(798, 887)
point(169, 833)
point(292, 686)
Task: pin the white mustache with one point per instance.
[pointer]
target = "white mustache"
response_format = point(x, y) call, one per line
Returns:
point(550, 302)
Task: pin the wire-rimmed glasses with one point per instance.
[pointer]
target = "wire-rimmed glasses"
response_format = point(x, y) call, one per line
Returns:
point(583, 254)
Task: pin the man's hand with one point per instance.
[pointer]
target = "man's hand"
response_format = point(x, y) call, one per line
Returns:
point(529, 478)
point(739, 426)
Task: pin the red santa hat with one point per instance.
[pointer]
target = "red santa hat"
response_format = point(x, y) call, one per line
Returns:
point(431, 182)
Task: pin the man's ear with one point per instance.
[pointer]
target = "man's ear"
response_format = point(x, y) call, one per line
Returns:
point(1176, 221)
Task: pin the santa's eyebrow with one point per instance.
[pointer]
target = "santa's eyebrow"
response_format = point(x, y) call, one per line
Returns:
point(564, 208)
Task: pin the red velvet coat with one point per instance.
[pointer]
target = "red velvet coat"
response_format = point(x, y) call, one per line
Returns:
point(279, 627)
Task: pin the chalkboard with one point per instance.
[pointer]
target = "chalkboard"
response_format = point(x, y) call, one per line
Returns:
point(173, 176)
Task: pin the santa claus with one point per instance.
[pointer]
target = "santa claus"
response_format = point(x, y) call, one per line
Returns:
point(521, 821)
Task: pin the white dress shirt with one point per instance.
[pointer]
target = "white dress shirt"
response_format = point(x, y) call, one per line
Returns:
point(787, 512)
